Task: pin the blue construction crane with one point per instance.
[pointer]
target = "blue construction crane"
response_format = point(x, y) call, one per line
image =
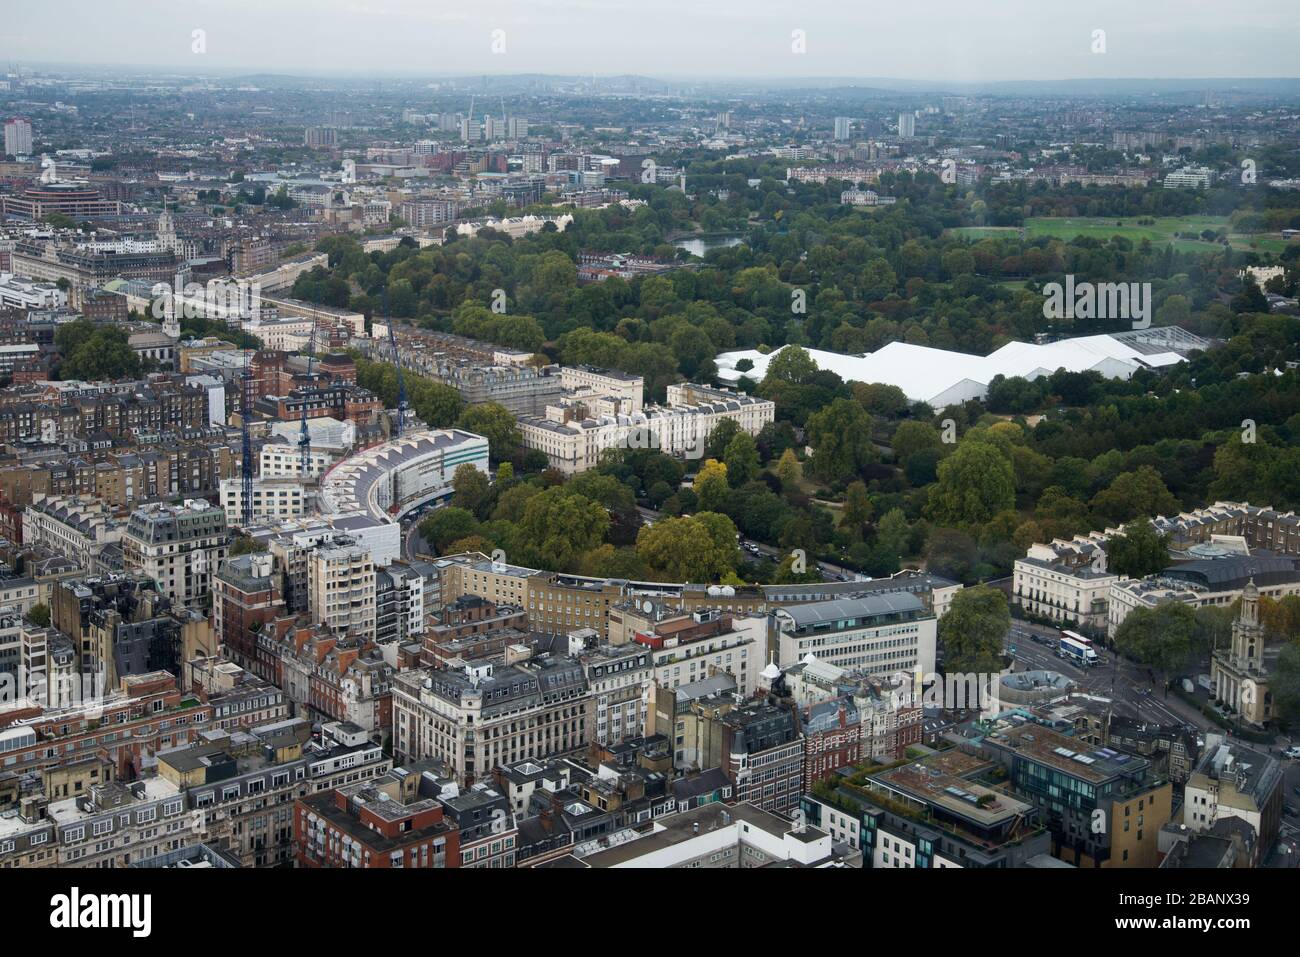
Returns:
point(304, 437)
point(397, 361)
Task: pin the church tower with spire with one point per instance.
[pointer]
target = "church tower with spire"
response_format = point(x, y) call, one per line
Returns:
point(1247, 632)
point(1238, 672)
point(166, 229)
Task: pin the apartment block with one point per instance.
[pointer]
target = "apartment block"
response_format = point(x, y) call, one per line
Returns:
point(179, 546)
point(246, 594)
point(341, 588)
point(574, 439)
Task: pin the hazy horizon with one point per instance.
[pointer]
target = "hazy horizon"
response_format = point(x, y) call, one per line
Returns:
point(941, 41)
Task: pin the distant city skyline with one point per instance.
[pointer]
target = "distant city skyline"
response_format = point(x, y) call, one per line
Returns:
point(939, 41)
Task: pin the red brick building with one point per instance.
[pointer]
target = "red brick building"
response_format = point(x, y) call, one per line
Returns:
point(146, 715)
point(832, 739)
point(374, 825)
point(245, 596)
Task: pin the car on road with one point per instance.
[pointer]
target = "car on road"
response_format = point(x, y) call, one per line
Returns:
point(1290, 810)
point(1293, 753)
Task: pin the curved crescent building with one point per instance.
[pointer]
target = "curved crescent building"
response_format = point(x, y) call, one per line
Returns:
point(386, 481)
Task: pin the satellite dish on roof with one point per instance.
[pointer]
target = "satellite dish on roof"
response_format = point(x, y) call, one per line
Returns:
point(647, 606)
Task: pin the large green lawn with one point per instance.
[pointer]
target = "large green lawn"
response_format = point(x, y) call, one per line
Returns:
point(1160, 232)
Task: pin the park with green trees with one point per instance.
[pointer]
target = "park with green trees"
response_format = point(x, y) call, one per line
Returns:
point(855, 473)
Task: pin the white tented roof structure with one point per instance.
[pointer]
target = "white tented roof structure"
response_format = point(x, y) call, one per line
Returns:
point(942, 378)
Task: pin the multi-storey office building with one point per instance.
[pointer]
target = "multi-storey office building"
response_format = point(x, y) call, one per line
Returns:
point(11, 643)
point(932, 813)
point(240, 699)
point(325, 675)
point(690, 648)
point(1104, 807)
point(373, 825)
point(558, 603)
point(283, 459)
point(832, 737)
point(146, 714)
point(273, 499)
point(242, 787)
point(882, 634)
point(470, 627)
point(1233, 780)
point(78, 201)
point(889, 711)
point(122, 626)
point(484, 716)
point(713, 836)
point(523, 390)
point(117, 823)
point(762, 751)
point(488, 836)
point(28, 837)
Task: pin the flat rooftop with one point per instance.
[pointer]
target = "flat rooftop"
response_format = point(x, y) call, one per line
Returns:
point(942, 780)
point(1074, 757)
point(680, 828)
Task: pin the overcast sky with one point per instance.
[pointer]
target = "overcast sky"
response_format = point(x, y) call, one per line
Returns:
point(951, 40)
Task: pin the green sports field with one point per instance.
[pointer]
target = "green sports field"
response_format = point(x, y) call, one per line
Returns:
point(1163, 230)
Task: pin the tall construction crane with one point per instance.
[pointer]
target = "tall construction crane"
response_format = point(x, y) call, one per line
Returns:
point(304, 437)
point(397, 361)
